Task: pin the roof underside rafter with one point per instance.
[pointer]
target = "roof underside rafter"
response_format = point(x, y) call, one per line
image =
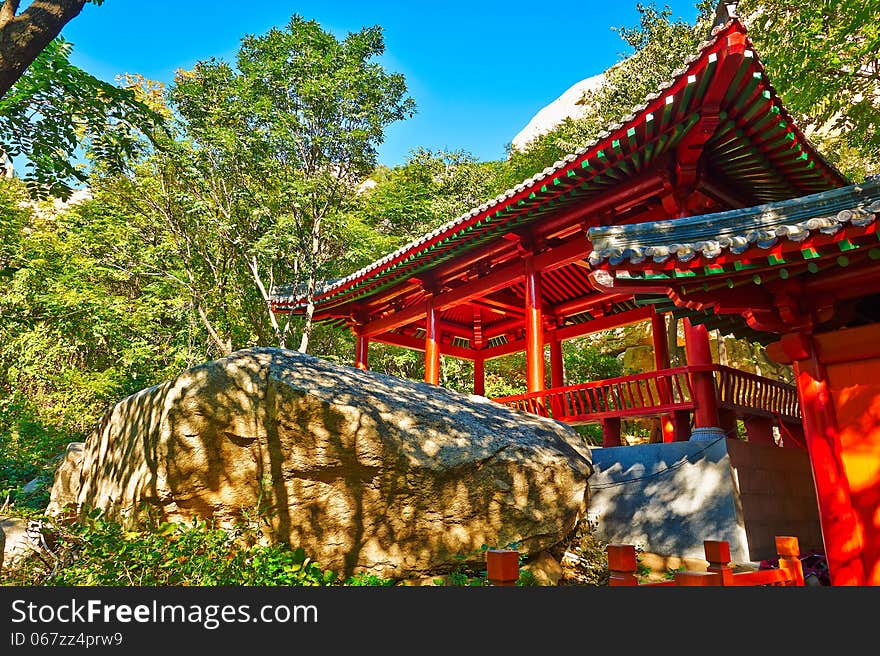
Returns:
point(717, 128)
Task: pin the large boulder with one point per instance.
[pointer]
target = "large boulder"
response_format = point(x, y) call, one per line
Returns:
point(65, 489)
point(17, 543)
point(366, 472)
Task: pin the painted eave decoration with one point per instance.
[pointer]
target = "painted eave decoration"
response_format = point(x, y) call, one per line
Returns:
point(754, 145)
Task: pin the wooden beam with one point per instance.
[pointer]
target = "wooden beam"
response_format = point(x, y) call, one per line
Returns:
point(605, 323)
point(505, 301)
point(496, 280)
point(584, 303)
point(415, 344)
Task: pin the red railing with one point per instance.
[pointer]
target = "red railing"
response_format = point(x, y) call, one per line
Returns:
point(656, 393)
point(623, 563)
point(755, 395)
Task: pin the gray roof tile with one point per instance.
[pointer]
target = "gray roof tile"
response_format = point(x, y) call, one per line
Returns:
point(763, 226)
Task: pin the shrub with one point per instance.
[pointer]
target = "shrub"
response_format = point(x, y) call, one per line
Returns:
point(100, 552)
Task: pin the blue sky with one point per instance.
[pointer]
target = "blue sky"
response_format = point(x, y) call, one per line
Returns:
point(478, 71)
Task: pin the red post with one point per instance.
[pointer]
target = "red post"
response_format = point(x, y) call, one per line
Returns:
point(534, 329)
point(840, 526)
point(611, 431)
point(432, 345)
point(557, 373)
point(622, 564)
point(788, 550)
point(479, 376)
point(361, 352)
point(759, 430)
point(502, 566)
point(699, 353)
point(661, 361)
point(718, 555)
point(682, 425)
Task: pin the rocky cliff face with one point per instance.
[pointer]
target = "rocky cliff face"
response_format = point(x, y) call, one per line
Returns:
point(568, 105)
point(365, 472)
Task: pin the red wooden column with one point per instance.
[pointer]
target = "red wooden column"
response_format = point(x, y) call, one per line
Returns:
point(361, 352)
point(706, 422)
point(480, 376)
point(661, 361)
point(557, 371)
point(838, 516)
point(534, 329)
point(432, 344)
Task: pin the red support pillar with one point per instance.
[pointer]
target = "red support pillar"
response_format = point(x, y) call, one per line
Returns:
point(432, 345)
point(361, 352)
point(557, 372)
point(706, 411)
point(479, 376)
point(661, 361)
point(611, 431)
point(840, 526)
point(534, 329)
point(760, 430)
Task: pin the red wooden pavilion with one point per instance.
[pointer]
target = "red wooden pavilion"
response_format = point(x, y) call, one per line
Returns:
point(523, 270)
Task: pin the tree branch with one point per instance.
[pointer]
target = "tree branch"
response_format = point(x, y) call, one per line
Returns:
point(23, 37)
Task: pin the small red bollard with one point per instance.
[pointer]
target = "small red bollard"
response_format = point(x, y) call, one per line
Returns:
point(622, 565)
point(788, 550)
point(718, 555)
point(502, 566)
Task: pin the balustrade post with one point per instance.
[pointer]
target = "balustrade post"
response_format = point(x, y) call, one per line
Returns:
point(502, 566)
point(622, 565)
point(788, 551)
point(718, 555)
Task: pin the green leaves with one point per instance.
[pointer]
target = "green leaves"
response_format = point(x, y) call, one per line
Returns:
point(56, 110)
point(823, 59)
point(97, 551)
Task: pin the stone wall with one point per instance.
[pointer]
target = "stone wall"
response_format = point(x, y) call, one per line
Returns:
point(776, 495)
point(668, 498)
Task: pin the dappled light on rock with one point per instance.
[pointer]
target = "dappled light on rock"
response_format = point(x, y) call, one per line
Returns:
point(366, 472)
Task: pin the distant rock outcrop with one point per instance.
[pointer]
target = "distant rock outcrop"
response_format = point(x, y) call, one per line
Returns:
point(568, 105)
point(366, 472)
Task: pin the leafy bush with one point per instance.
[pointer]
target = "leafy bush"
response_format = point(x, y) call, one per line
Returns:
point(96, 551)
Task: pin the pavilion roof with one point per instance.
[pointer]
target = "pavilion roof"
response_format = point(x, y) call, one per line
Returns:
point(687, 266)
point(736, 231)
point(756, 145)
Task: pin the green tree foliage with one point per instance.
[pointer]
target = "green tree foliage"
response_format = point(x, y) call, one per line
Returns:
point(429, 189)
point(81, 326)
point(824, 59)
point(55, 109)
point(280, 144)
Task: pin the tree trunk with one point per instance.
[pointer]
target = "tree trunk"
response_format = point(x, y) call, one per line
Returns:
point(310, 312)
point(23, 37)
point(312, 284)
point(280, 335)
point(225, 346)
